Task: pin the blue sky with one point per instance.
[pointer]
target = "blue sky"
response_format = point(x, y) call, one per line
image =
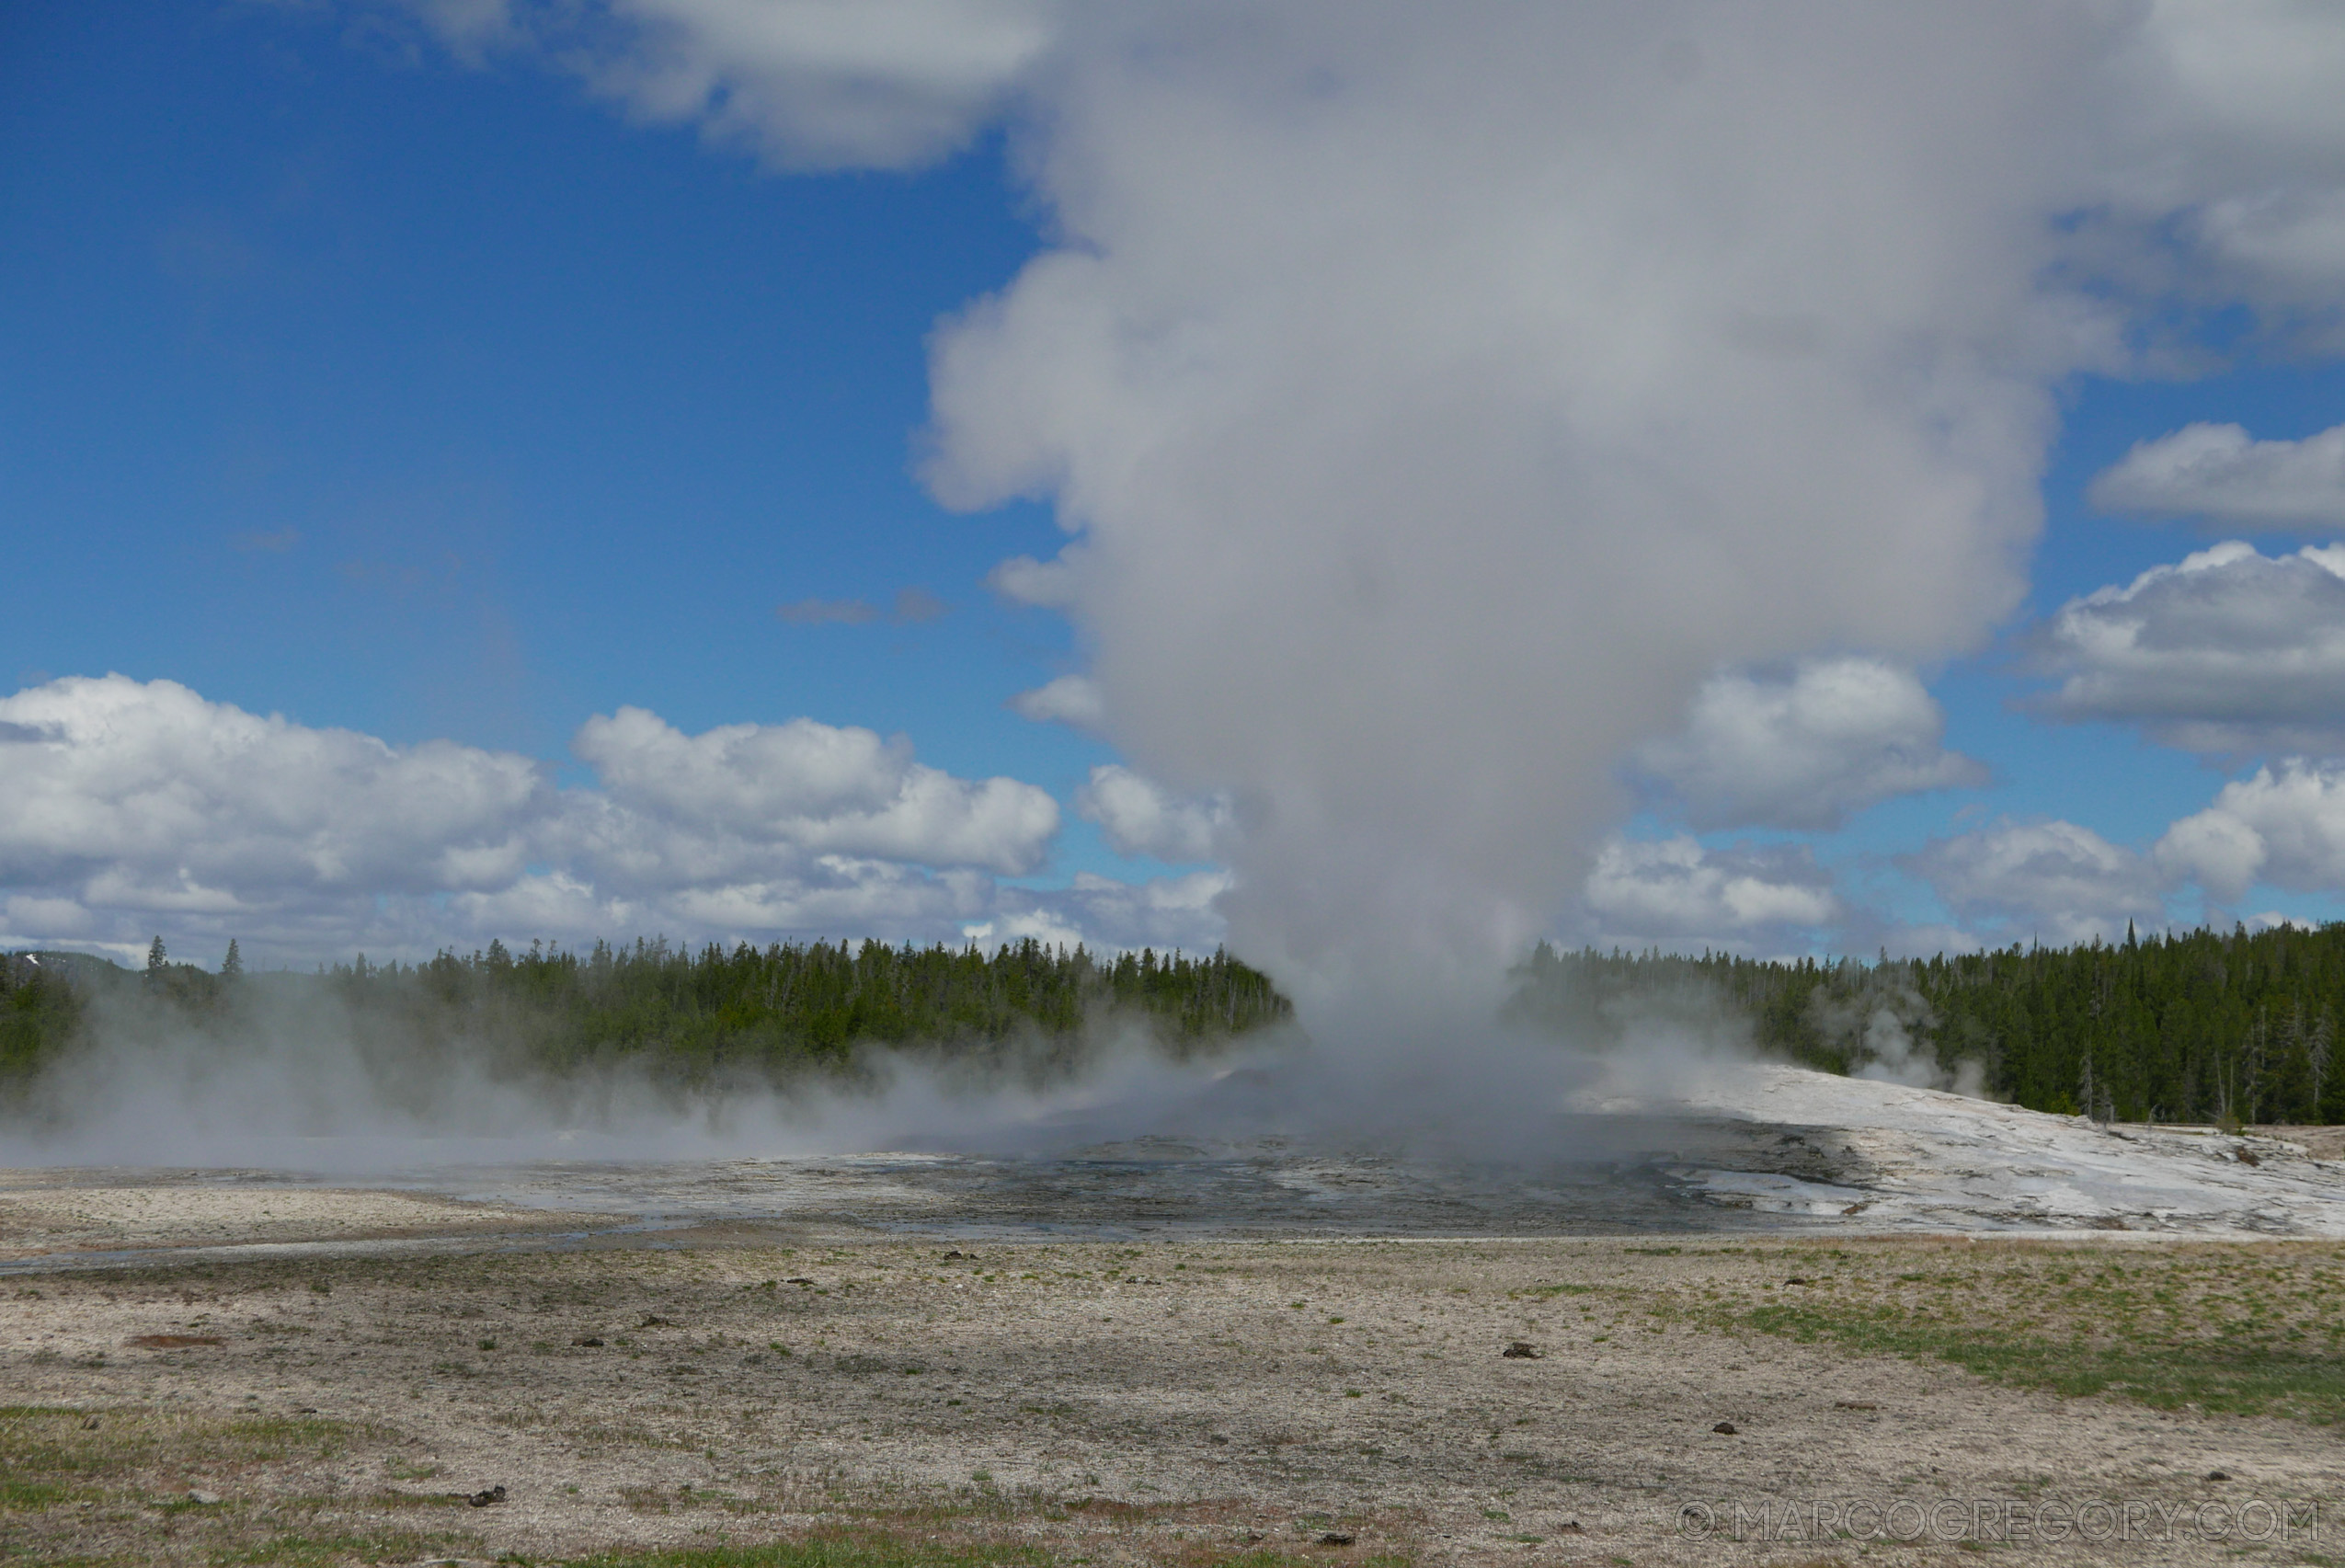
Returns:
point(383, 370)
point(398, 396)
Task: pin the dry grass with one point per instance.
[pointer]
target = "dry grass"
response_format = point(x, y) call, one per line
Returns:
point(1181, 1405)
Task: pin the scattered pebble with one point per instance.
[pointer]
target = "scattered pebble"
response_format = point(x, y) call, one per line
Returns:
point(206, 1498)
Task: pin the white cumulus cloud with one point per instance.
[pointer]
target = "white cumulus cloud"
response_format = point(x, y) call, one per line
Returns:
point(1070, 700)
point(1040, 585)
point(810, 83)
point(128, 807)
point(2051, 881)
point(1139, 817)
point(1804, 752)
point(148, 796)
point(2285, 826)
point(814, 788)
point(1676, 890)
point(2229, 653)
point(2221, 474)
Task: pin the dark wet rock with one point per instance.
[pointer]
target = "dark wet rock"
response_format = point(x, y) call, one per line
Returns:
point(1725, 1426)
point(1520, 1350)
point(2218, 1475)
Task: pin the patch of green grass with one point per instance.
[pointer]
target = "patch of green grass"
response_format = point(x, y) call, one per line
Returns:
point(1258, 1558)
point(52, 1443)
point(2246, 1330)
point(15, 1494)
point(2242, 1379)
point(295, 1550)
point(830, 1552)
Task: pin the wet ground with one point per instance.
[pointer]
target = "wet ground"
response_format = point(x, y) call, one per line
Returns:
point(1156, 1189)
point(1750, 1150)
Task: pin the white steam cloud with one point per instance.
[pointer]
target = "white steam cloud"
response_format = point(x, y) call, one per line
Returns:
point(1440, 396)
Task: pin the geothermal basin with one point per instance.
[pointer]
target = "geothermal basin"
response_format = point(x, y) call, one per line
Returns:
point(1712, 1323)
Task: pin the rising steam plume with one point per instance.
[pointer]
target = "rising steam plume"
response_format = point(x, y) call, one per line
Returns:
point(1436, 397)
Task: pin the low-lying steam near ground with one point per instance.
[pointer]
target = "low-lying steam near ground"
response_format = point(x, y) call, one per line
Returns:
point(303, 1072)
point(1605, 1096)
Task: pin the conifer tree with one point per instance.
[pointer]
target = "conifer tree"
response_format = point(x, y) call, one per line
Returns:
point(234, 964)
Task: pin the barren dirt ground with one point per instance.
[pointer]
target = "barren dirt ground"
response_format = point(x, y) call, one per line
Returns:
point(1182, 1402)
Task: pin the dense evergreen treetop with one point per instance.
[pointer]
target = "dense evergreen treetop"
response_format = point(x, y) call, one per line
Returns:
point(2198, 1026)
point(682, 1011)
point(2201, 1025)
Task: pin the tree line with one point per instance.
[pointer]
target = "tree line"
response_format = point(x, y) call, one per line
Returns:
point(2192, 1026)
point(686, 1011)
point(2198, 1026)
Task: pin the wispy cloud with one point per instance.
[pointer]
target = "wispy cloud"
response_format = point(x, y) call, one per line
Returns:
point(912, 607)
point(2222, 474)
